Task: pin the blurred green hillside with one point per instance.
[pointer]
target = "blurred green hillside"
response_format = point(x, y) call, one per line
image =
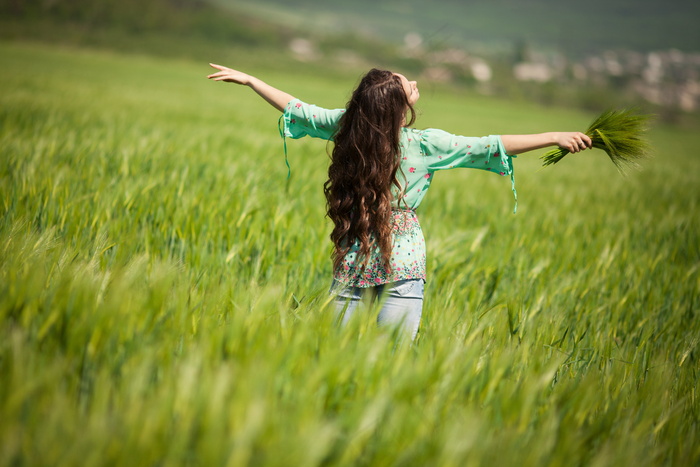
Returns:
point(176, 28)
point(341, 38)
point(165, 27)
point(571, 26)
point(189, 29)
point(565, 25)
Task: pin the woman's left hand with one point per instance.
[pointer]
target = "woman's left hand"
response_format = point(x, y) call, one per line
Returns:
point(573, 141)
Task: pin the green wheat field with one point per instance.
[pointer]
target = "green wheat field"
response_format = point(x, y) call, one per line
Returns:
point(163, 285)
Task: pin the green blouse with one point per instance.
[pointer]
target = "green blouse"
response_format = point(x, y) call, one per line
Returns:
point(423, 152)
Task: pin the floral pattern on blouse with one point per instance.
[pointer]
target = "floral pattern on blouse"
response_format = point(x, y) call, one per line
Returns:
point(407, 256)
point(423, 153)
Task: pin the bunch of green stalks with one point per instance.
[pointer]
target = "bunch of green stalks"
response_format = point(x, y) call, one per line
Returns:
point(620, 133)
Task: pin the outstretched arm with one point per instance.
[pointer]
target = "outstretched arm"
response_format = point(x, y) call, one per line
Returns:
point(571, 141)
point(276, 98)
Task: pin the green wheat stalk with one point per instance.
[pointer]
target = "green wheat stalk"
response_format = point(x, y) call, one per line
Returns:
point(620, 133)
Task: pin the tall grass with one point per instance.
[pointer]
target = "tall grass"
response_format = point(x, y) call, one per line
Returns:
point(163, 288)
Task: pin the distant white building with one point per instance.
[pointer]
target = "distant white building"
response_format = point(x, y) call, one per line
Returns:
point(304, 49)
point(481, 71)
point(527, 71)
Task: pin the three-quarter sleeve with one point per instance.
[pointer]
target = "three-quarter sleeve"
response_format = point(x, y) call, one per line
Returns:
point(443, 150)
point(301, 119)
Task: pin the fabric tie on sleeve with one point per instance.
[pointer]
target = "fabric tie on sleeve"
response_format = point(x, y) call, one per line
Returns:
point(300, 119)
point(515, 193)
point(280, 127)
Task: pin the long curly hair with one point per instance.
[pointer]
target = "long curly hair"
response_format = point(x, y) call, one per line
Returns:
point(364, 164)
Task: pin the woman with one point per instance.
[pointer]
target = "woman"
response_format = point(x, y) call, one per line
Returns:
point(380, 171)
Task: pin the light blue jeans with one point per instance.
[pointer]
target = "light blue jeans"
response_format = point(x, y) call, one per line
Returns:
point(401, 303)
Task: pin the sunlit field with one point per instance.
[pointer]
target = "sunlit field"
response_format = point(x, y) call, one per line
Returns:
point(163, 285)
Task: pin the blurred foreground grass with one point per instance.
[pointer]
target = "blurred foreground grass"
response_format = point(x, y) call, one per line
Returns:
point(162, 286)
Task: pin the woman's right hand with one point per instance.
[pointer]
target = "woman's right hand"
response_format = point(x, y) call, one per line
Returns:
point(276, 98)
point(229, 75)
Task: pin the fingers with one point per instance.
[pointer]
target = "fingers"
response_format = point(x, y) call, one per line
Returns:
point(589, 141)
point(228, 75)
point(221, 74)
point(574, 141)
point(584, 141)
point(225, 75)
point(579, 142)
point(576, 145)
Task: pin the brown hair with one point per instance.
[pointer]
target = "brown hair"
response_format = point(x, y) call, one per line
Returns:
point(364, 164)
